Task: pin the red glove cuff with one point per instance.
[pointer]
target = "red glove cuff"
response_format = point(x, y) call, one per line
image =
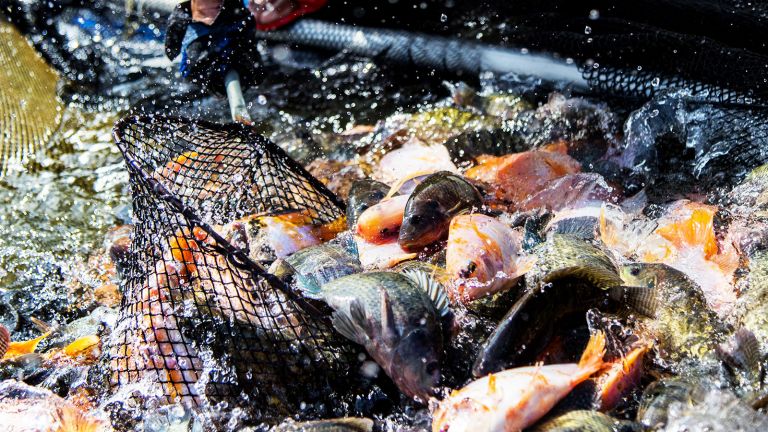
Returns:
point(303, 7)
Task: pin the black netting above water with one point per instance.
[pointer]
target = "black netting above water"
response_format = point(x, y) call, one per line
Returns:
point(201, 320)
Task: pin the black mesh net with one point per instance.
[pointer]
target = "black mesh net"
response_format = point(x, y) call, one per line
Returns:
point(201, 320)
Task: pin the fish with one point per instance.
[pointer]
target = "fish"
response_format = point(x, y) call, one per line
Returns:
point(693, 248)
point(346, 424)
point(570, 276)
point(317, 265)
point(16, 349)
point(483, 256)
point(381, 256)
point(696, 404)
point(381, 222)
point(414, 157)
point(571, 191)
point(515, 177)
point(28, 408)
point(676, 312)
point(568, 256)
point(395, 316)
point(431, 207)
point(268, 237)
point(514, 399)
point(466, 148)
point(362, 195)
point(586, 421)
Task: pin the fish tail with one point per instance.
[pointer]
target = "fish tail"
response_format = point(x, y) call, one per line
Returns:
point(592, 358)
point(696, 230)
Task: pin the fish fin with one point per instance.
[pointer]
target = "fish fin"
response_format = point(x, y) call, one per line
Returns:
point(640, 299)
point(743, 351)
point(16, 349)
point(433, 288)
point(388, 327)
point(696, 230)
point(348, 328)
point(581, 227)
point(592, 359)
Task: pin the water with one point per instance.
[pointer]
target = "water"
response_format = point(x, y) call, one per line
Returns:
point(54, 215)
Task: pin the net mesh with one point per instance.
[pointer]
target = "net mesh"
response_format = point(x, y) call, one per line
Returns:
point(201, 320)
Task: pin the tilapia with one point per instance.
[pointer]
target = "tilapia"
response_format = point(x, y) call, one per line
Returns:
point(677, 313)
point(567, 256)
point(396, 317)
point(381, 222)
point(516, 398)
point(315, 266)
point(483, 256)
point(514, 178)
point(570, 276)
point(431, 207)
point(362, 195)
point(26, 408)
point(586, 421)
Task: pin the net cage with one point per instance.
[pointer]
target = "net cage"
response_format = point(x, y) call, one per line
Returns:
point(201, 320)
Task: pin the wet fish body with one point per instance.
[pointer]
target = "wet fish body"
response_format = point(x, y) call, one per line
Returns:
point(515, 398)
point(362, 195)
point(317, 265)
point(586, 421)
point(431, 207)
point(394, 318)
point(676, 310)
point(483, 256)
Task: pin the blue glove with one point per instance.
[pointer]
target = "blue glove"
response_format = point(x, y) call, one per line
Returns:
point(209, 52)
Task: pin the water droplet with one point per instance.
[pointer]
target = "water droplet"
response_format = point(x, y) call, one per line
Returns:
point(587, 30)
point(443, 17)
point(655, 82)
point(594, 14)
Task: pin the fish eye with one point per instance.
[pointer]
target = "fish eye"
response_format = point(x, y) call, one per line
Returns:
point(635, 271)
point(432, 367)
point(416, 219)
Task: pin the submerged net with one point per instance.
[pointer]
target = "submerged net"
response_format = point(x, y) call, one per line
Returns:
point(201, 320)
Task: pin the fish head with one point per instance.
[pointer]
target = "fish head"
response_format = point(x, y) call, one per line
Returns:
point(424, 223)
point(639, 275)
point(415, 365)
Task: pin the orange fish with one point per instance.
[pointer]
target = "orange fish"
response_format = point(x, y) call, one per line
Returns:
point(514, 399)
point(515, 177)
point(483, 256)
point(381, 222)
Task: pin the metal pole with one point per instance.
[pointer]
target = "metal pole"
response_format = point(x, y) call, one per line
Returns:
point(237, 107)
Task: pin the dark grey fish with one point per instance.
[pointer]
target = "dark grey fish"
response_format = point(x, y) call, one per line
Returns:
point(431, 207)
point(315, 266)
point(568, 256)
point(363, 194)
point(394, 316)
point(570, 276)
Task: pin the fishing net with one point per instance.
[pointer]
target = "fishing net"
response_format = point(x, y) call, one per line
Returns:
point(30, 111)
point(201, 320)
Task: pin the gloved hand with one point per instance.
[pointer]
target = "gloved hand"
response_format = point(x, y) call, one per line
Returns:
point(208, 52)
